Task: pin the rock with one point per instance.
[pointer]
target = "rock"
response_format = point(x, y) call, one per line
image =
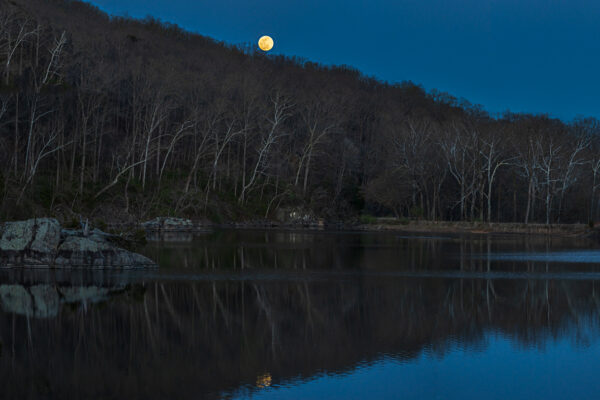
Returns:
point(96, 251)
point(170, 229)
point(168, 224)
point(41, 242)
point(31, 242)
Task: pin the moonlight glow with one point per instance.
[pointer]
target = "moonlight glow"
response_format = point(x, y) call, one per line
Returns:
point(265, 43)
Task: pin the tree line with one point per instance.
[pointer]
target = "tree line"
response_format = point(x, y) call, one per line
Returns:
point(125, 118)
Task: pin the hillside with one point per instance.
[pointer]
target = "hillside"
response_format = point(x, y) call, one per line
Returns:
point(121, 119)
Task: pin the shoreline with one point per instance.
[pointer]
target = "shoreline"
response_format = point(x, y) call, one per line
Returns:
point(482, 228)
point(387, 225)
point(197, 226)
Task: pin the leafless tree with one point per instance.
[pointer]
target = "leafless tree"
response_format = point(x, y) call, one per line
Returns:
point(280, 111)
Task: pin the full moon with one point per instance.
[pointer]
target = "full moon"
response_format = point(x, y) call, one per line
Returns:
point(265, 43)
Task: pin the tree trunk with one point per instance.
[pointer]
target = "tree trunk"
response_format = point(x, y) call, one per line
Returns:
point(528, 208)
point(83, 153)
point(16, 155)
point(307, 168)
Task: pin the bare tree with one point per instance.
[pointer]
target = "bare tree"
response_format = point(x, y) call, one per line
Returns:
point(527, 163)
point(550, 153)
point(14, 31)
point(46, 147)
point(459, 145)
point(568, 175)
point(318, 120)
point(280, 111)
point(493, 158)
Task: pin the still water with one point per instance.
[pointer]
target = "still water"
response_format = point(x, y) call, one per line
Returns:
point(297, 315)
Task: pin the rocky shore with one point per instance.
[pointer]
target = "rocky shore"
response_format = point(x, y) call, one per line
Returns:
point(41, 242)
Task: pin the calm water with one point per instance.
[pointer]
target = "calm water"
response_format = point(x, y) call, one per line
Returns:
point(271, 314)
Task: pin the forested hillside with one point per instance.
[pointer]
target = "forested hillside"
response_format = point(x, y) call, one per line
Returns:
point(123, 119)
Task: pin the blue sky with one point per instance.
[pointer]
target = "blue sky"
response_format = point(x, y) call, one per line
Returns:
point(540, 56)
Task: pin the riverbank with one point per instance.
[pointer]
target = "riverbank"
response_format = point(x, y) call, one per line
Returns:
point(389, 224)
point(420, 227)
point(415, 226)
point(374, 225)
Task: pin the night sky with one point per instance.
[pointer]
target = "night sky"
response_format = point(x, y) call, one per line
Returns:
point(539, 56)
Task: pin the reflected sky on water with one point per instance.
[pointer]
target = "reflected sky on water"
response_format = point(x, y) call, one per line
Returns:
point(499, 370)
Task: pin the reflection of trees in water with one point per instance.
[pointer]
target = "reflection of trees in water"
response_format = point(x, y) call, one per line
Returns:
point(275, 250)
point(180, 339)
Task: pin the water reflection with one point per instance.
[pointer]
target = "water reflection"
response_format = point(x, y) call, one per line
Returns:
point(169, 338)
point(227, 251)
point(216, 336)
point(176, 236)
point(44, 301)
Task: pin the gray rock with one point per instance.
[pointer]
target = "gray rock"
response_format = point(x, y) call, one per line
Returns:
point(169, 224)
point(40, 242)
point(96, 251)
point(30, 242)
point(154, 224)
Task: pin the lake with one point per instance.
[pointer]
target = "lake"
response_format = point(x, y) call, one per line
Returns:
point(296, 315)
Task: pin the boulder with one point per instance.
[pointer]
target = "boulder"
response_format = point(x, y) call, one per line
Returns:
point(41, 242)
point(31, 242)
point(96, 251)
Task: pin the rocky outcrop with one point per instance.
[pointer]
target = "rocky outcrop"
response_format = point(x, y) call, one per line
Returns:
point(31, 242)
point(95, 251)
point(42, 243)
